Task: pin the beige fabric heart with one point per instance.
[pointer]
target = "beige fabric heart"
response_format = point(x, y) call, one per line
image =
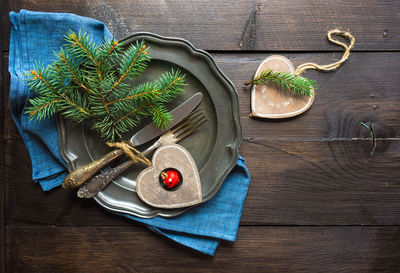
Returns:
point(150, 190)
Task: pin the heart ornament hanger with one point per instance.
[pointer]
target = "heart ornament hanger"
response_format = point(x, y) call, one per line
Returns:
point(172, 181)
point(279, 90)
point(268, 101)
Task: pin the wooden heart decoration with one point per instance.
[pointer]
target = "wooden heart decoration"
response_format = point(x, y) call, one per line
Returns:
point(149, 186)
point(268, 101)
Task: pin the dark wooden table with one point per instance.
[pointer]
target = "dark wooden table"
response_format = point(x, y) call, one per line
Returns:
point(318, 200)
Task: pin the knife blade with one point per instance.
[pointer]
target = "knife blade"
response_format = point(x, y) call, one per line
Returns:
point(149, 132)
point(178, 114)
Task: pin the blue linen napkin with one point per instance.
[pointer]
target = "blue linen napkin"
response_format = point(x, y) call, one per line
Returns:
point(34, 37)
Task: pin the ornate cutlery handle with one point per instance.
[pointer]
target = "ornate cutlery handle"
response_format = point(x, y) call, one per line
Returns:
point(100, 181)
point(188, 126)
point(82, 174)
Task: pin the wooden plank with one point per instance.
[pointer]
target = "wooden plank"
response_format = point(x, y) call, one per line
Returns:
point(21, 192)
point(9, 129)
point(2, 249)
point(322, 183)
point(245, 25)
point(363, 89)
point(28, 205)
point(292, 183)
point(258, 249)
point(2, 174)
point(3, 99)
point(327, 130)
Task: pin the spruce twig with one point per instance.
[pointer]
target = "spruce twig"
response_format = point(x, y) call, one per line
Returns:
point(95, 82)
point(286, 81)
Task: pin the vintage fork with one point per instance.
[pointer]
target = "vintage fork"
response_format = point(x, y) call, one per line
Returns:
point(176, 134)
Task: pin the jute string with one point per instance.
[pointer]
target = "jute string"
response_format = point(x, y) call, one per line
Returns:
point(328, 67)
point(131, 152)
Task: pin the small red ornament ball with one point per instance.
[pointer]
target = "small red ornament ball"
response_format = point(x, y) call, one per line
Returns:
point(171, 179)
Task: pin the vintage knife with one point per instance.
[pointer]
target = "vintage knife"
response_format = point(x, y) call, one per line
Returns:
point(149, 132)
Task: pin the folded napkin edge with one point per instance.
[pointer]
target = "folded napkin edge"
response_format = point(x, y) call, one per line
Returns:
point(208, 250)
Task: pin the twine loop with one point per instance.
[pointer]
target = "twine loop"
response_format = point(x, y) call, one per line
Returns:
point(131, 152)
point(328, 67)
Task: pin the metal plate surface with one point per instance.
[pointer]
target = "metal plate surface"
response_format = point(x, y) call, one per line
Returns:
point(214, 147)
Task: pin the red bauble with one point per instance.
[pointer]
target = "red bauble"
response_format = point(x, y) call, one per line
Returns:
point(171, 179)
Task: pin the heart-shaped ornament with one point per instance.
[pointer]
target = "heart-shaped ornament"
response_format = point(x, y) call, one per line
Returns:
point(268, 101)
point(172, 182)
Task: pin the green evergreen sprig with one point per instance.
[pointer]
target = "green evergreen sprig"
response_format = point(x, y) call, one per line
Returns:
point(89, 82)
point(286, 81)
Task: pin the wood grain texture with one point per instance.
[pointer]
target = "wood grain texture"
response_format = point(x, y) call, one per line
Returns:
point(363, 89)
point(292, 183)
point(3, 87)
point(28, 205)
point(9, 129)
point(2, 110)
point(322, 183)
point(239, 25)
point(61, 204)
point(314, 169)
point(258, 249)
point(2, 249)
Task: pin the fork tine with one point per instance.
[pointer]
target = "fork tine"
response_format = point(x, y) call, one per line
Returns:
point(192, 122)
point(186, 120)
point(191, 130)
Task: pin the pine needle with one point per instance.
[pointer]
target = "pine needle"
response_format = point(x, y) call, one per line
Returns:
point(95, 82)
point(286, 81)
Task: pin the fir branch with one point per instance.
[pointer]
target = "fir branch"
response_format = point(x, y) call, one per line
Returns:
point(133, 63)
point(131, 113)
point(41, 106)
point(38, 79)
point(168, 86)
point(161, 116)
point(164, 90)
point(74, 107)
point(42, 109)
point(112, 129)
point(143, 93)
point(64, 59)
point(91, 82)
point(81, 45)
point(286, 81)
point(108, 50)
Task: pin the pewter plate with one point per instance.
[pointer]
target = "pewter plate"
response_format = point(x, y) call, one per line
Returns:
point(214, 147)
